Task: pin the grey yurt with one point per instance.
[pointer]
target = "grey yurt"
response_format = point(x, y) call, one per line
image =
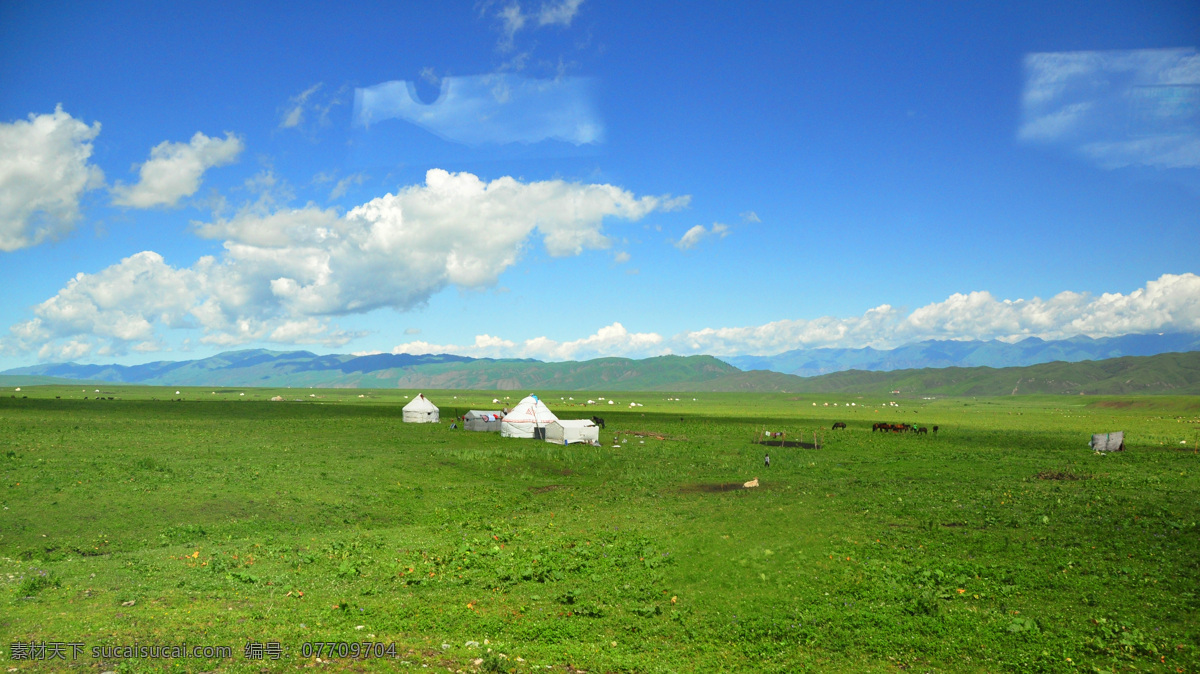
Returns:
point(478, 420)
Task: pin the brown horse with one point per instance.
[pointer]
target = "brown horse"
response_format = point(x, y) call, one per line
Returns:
point(838, 425)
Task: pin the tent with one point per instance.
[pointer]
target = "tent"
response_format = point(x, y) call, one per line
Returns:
point(567, 431)
point(1109, 442)
point(528, 419)
point(477, 420)
point(420, 411)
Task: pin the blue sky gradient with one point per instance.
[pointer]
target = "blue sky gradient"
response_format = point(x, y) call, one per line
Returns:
point(607, 179)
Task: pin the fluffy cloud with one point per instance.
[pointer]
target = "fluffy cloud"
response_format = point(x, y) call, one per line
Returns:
point(44, 170)
point(611, 340)
point(284, 274)
point(1169, 304)
point(1117, 108)
point(174, 170)
point(698, 233)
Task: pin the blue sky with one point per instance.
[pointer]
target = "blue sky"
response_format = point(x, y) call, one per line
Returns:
point(571, 179)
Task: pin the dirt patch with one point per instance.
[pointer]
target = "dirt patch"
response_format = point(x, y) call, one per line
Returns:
point(1059, 475)
point(787, 443)
point(645, 434)
point(566, 471)
point(547, 488)
point(954, 524)
point(711, 487)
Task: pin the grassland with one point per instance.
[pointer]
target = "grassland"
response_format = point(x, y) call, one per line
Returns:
point(1001, 544)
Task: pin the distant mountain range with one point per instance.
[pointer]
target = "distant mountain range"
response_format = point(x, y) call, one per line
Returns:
point(938, 354)
point(1177, 373)
point(260, 367)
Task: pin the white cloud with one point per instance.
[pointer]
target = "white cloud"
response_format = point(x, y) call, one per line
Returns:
point(1117, 108)
point(558, 13)
point(293, 115)
point(693, 236)
point(283, 274)
point(750, 216)
point(621, 257)
point(498, 108)
point(174, 170)
point(513, 19)
point(339, 190)
point(611, 340)
point(1169, 304)
point(44, 170)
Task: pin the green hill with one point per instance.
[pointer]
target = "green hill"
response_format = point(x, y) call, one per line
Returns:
point(1174, 373)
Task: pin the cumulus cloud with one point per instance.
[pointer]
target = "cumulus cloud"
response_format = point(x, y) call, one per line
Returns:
point(284, 274)
point(174, 170)
point(1168, 304)
point(44, 171)
point(611, 340)
point(1116, 108)
point(696, 234)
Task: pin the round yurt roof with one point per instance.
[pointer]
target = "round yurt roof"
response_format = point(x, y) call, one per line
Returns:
point(420, 404)
point(530, 410)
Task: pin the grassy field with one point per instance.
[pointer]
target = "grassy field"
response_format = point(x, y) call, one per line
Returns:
point(220, 519)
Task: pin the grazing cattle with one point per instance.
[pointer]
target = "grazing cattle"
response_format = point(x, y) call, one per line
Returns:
point(935, 430)
point(598, 421)
point(922, 430)
point(838, 425)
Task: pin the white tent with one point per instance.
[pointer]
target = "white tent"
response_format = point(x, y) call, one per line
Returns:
point(420, 411)
point(567, 431)
point(477, 420)
point(528, 419)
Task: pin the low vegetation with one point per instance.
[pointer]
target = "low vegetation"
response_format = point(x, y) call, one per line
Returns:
point(219, 518)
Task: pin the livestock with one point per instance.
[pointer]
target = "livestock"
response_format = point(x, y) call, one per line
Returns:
point(935, 430)
point(922, 430)
point(599, 421)
point(838, 425)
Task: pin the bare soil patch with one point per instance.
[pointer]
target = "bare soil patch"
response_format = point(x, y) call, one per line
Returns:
point(712, 487)
point(787, 443)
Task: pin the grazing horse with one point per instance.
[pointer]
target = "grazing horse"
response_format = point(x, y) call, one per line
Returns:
point(838, 425)
point(922, 430)
point(598, 421)
point(880, 427)
point(935, 430)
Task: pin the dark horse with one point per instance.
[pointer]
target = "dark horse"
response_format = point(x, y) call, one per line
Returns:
point(935, 430)
point(922, 430)
point(598, 421)
point(838, 425)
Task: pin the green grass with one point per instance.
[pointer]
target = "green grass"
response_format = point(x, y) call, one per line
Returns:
point(220, 519)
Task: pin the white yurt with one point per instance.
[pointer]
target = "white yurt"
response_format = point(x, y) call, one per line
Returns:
point(420, 411)
point(478, 420)
point(528, 419)
point(568, 431)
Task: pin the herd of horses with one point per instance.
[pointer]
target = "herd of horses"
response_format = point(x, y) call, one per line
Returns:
point(895, 428)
